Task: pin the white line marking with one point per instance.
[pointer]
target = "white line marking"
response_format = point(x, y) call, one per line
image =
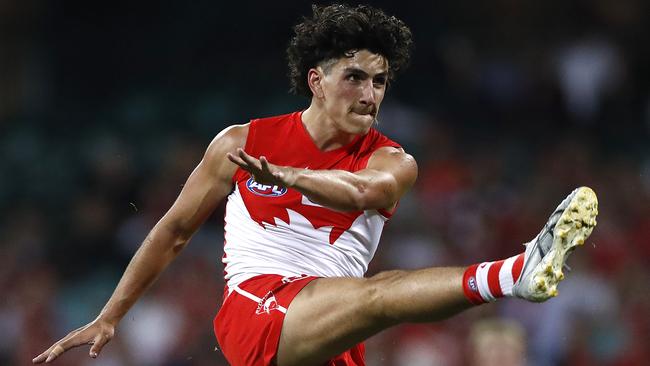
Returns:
point(255, 298)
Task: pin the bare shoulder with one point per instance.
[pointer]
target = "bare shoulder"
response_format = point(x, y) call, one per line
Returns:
point(229, 139)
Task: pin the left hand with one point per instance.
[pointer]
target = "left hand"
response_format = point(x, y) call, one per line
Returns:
point(96, 333)
point(264, 172)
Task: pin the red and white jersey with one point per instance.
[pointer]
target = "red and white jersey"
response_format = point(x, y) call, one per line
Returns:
point(275, 230)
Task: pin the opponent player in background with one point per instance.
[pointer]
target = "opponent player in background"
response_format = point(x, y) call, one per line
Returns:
point(308, 194)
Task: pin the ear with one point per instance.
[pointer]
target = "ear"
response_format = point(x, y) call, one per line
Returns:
point(314, 80)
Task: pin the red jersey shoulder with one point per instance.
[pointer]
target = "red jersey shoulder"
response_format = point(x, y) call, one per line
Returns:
point(269, 130)
point(282, 140)
point(376, 139)
point(372, 141)
point(263, 137)
point(274, 121)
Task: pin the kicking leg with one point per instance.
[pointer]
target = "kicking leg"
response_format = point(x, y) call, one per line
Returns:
point(331, 315)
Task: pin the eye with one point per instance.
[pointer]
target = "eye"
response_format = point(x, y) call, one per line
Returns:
point(380, 81)
point(354, 77)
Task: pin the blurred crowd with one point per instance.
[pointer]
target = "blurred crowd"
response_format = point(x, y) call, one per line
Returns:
point(508, 106)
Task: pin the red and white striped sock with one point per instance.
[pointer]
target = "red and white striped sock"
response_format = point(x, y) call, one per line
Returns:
point(488, 281)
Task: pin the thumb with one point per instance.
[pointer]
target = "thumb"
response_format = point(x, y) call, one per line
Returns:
point(98, 343)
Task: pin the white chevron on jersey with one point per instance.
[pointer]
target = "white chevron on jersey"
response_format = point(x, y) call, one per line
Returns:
point(294, 248)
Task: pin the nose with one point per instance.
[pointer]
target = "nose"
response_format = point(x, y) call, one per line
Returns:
point(368, 96)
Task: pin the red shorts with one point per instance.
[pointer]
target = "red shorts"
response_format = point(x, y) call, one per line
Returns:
point(249, 322)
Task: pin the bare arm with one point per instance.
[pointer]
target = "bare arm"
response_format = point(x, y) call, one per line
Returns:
point(208, 184)
point(389, 174)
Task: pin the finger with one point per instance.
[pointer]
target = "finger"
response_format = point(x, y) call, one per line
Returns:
point(249, 159)
point(73, 339)
point(265, 164)
point(40, 358)
point(237, 160)
point(241, 152)
point(232, 158)
point(98, 344)
point(76, 339)
point(241, 162)
point(56, 352)
point(43, 356)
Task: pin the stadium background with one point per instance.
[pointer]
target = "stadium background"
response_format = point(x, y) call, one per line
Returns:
point(508, 105)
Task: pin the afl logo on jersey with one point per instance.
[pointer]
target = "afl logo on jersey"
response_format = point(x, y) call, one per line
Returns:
point(264, 189)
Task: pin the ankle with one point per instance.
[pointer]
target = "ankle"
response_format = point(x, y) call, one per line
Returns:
point(488, 281)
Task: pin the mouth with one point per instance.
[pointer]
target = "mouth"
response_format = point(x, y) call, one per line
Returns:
point(371, 113)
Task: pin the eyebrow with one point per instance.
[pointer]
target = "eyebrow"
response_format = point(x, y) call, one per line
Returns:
point(357, 70)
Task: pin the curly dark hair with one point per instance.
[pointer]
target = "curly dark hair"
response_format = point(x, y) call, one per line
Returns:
point(335, 30)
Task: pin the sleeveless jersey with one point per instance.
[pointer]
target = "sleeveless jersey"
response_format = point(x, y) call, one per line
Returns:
point(275, 230)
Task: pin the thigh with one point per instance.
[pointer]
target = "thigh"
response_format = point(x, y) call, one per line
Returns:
point(328, 317)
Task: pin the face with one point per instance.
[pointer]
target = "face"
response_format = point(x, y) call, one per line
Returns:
point(349, 90)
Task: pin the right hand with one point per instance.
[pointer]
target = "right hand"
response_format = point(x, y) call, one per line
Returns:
point(96, 333)
point(263, 171)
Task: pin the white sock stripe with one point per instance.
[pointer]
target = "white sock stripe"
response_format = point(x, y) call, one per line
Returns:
point(255, 298)
point(505, 276)
point(482, 281)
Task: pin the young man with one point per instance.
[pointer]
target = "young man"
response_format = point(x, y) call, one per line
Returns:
point(307, 195)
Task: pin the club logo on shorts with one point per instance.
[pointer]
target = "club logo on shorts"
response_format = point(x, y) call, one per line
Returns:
point(267, 304)
point(265, 190)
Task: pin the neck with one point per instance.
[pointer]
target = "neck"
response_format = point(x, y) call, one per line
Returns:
point(323, 129)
